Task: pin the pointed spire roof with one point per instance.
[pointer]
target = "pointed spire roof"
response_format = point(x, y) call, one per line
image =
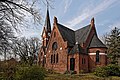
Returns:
point(47, 22)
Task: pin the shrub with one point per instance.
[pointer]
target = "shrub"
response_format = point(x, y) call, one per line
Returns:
point(67, 72)
point(101, 72)
point(30, 73)
point(110, 70)
point(7, 71)
point(113, 70)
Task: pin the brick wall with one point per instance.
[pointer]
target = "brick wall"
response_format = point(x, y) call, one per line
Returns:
point(92, 58)
point(61, 66)
point(81, 62)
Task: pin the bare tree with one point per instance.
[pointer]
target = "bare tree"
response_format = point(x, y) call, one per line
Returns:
point(27, 49)
point(12, 13)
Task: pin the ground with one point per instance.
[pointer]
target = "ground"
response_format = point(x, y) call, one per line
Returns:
point(78, 77)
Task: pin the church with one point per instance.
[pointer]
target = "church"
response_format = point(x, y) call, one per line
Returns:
point(64, 49)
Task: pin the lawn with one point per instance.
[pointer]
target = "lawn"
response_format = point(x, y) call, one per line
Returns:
point(77, 77)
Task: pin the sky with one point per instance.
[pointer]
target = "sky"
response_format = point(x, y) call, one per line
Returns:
point(76, 14)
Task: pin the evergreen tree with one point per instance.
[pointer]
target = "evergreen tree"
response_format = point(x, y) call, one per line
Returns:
point(113, 44)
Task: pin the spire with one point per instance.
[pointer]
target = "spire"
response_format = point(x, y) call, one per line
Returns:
point(47, 22)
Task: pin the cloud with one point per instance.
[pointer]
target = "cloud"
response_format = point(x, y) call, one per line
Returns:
point(91, 11)
point(67, 5)
point(116, 24)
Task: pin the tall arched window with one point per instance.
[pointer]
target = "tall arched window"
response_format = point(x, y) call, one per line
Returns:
point(57, 58)
point(51, 59)
point(97, 56)
point(54, 59)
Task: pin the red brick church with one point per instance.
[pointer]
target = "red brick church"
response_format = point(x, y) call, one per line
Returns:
point(64, 49)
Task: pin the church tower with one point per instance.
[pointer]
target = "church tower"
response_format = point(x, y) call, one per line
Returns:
point(46, 30)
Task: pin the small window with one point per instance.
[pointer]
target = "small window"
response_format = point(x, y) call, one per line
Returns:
point(51, 59)
point(54, 34)
point(68, 50)
point(41, 53)
point(83, 61)
point(97, 56)
point(57, 58)
point(44, 60)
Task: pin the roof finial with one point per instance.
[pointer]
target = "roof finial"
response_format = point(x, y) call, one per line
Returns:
point(92, 21)
point(55, 20)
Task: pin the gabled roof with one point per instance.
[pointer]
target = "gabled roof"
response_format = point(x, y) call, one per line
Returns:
point(67, 34)
point(76, 49)
point(79, 36)
point(82, 34)
point(96, 42)
point(71, 36)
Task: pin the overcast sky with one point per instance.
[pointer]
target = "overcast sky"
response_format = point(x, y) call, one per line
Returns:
point(76, 14)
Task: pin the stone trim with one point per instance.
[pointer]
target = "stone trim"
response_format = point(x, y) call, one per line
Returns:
point(95, 54)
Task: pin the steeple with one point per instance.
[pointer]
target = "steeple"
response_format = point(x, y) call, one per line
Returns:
point(47, 30)
point(47, 22)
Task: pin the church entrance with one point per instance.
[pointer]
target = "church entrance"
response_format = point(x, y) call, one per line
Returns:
point(72, 64)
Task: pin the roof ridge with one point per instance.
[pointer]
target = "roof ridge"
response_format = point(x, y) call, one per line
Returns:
point(82, 27)
point(66, 27)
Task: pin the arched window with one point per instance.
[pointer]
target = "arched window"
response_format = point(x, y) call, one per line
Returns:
point(97, 56)
point(54, 59)
point(57, 58)
point(54, 46)
point(51, 59)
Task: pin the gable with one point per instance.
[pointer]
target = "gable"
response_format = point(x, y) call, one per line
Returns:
point(56, 37)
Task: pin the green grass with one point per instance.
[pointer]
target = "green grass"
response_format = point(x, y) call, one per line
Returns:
point(77, 77)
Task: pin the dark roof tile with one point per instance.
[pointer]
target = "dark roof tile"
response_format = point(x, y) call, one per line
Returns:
point(67, 34)
point(82, 34)
point(76, 49)
point(96, 42)
point(79, 36)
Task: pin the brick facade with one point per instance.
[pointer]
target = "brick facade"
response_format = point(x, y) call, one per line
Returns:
point(59, 51)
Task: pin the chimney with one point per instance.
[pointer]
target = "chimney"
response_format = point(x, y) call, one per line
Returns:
point(55, 20)
point(92, 22)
